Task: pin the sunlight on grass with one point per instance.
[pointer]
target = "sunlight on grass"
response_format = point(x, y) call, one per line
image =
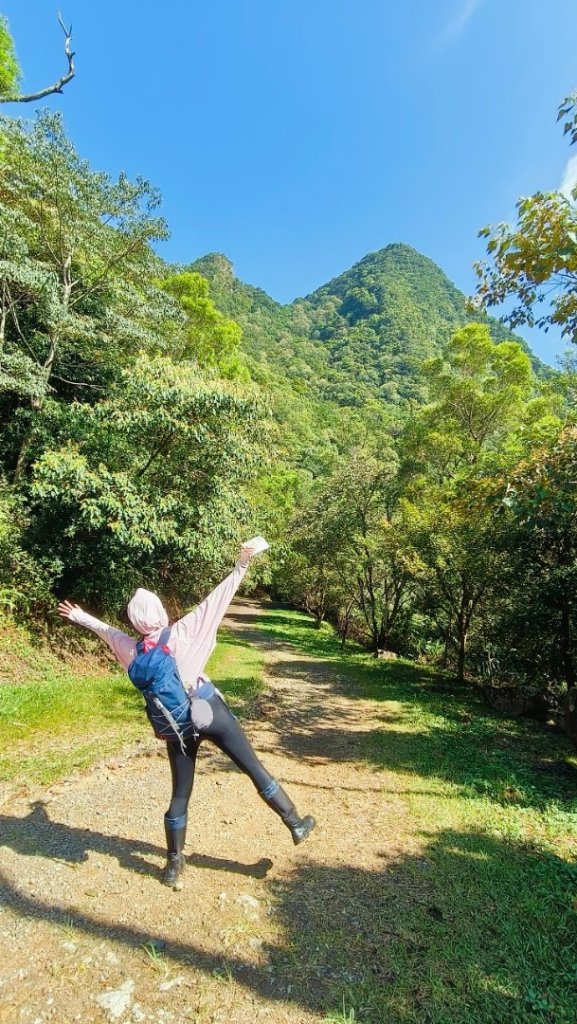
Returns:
point(479, 916)
point(55, 722)
point(237, 668)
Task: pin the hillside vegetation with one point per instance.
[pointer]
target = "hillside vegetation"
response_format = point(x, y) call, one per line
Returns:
point(411, 465)
point(364, 335)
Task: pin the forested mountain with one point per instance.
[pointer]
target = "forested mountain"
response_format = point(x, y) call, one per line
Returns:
point(401, 476)
point(362, 335)
point(404, 417)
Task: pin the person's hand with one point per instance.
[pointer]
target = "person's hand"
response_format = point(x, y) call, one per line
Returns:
point(65, 609)
point(246, 553)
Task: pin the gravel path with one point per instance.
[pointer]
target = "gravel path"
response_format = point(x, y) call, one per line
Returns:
point(263, 930)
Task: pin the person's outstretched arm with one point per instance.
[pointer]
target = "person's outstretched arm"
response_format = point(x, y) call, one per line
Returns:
point(122, 645)
point(208, 615)
point(194, 636)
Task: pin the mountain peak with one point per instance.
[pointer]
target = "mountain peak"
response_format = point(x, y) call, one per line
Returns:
point(395, 269)
point(366, 332)
point(401, 254)
point(216, 267)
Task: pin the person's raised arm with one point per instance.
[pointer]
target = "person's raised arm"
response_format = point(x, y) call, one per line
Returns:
point(200, 625)
point(122, 645)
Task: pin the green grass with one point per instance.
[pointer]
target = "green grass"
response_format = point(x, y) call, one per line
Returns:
point(471, 917)
point(55, 724)
point(237, 669)
point(475, 920)
point(55, 720)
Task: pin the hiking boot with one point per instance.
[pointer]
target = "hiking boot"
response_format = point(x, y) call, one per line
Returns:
point(175, 831)
point(173, 871)
point(301, 828)
point(275, 796)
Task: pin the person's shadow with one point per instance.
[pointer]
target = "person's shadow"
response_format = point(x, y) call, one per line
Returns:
point(37, 836)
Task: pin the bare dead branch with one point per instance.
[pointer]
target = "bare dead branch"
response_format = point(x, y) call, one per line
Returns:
point(59, 85)
point(77, 383)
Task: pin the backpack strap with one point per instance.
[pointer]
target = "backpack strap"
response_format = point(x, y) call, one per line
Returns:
point(146, 645)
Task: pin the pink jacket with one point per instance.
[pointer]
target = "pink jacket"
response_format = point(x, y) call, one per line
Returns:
point(191, 640)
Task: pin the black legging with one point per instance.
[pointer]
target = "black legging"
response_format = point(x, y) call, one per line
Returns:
point(226, 733)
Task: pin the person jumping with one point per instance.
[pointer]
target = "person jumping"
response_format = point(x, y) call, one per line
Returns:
point(174, 655)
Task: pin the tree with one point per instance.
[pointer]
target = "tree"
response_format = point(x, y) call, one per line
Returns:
point(9, 66)
point(534, 262)
point(76, 270)
point(147, 482)
point(453, 561)
point(485, 410)
point(207, 335)
point(348, 548)
point(25, 582)
point(536, 502)
point(478, 391)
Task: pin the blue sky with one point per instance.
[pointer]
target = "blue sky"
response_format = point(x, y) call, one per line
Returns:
point(297, 136)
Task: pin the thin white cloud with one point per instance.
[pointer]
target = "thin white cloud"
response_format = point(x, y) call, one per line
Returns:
point(569, 177)
point(459, 20)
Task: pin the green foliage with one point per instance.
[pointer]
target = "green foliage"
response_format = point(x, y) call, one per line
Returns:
point(24, 581)
point(535, 507)
point(479, 389)
point(10, 73)
point(568, 108)
point(75, 265)
point(208, 336)
point(348, 552)
point(130, 450)
point(534, 262)
point(483, 414)
point(145, 483)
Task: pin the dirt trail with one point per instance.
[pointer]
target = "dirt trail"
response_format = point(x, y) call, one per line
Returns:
point(263, 930)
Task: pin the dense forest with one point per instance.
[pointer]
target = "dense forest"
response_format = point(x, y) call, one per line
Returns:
point(403, 657)
point(422, 438)
point(412, 464)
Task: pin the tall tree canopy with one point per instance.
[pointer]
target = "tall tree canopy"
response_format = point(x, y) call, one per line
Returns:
point(10, 72)
point(119, 434)
point(533, 263)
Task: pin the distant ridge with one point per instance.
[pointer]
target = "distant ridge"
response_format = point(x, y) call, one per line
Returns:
point(361, 335)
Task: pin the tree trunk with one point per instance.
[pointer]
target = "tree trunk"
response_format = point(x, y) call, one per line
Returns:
point(566, 645)
point(344, 622)
point(463, 619)
point(461, 656)
point(468, 604)
point(4, 316)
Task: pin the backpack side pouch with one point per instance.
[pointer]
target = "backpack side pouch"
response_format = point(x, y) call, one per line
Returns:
point(200, 710)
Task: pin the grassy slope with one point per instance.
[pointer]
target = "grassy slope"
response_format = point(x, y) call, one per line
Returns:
point(58, 715)
point(477, 920)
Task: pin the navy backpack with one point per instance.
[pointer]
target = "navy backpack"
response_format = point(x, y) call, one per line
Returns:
point(153, 671)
